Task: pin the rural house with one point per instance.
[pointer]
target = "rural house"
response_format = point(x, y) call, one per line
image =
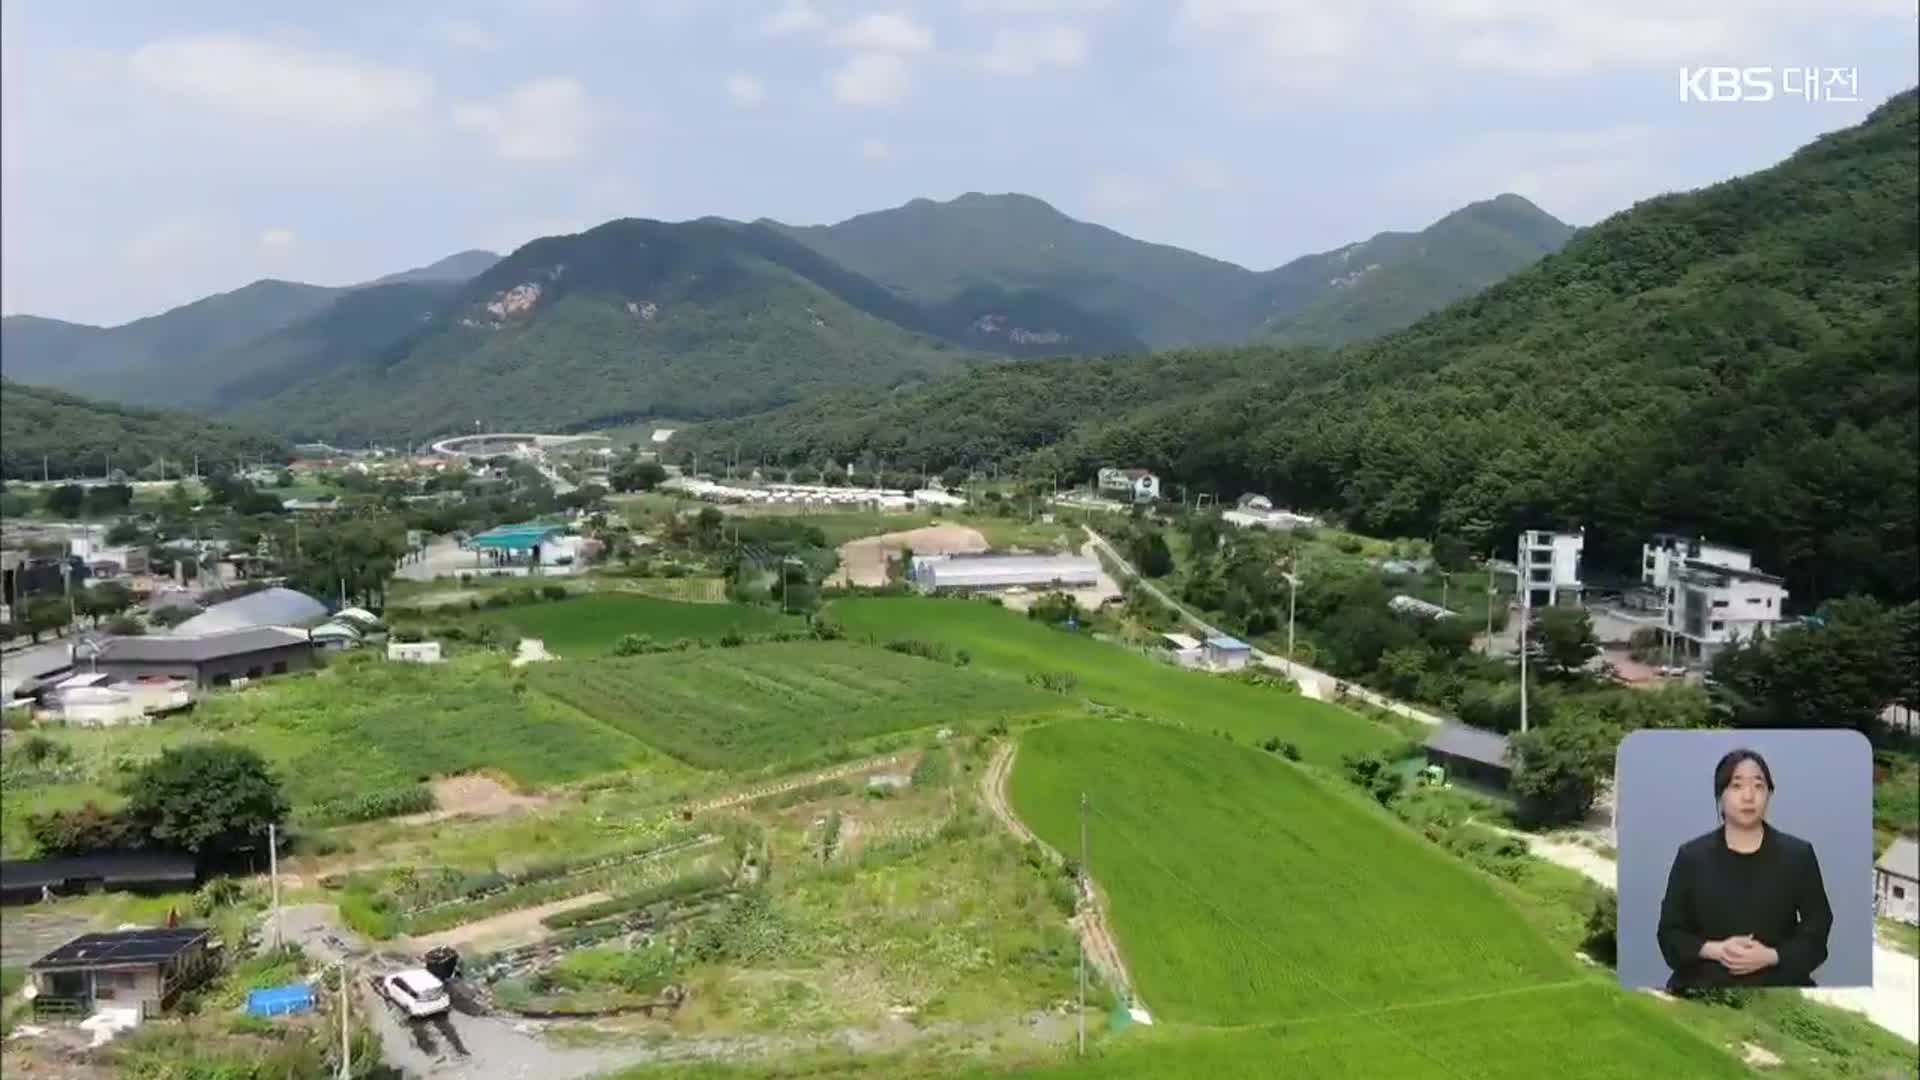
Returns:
point(1896, 881)
point(1135, 485)
point(1470, 754)
point(125, 969)
point(208, 660)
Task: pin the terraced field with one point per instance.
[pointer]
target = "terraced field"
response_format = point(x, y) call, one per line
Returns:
point(1003, 641)
point(756, 705)
point(1249, 894)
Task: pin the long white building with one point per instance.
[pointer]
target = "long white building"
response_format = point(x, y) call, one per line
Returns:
point(981, 572)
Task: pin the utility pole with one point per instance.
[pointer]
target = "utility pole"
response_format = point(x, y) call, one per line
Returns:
point(1293, 585)
point(1081, 937)
point(1490, 597)
point(1526, 611)
point(1446, 583)
point(273, 874)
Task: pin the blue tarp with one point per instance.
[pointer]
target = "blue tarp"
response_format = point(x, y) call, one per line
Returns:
point(280, 1000)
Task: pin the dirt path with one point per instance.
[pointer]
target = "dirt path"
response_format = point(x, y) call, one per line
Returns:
point(1091, 922)
point(471, 795)
point(523, 923)
point(864, 561)
point(762, 791)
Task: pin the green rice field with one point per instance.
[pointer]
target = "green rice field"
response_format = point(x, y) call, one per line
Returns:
point(1247, 893)
point(1004, 641)
point(589, 625)
point(760, 704)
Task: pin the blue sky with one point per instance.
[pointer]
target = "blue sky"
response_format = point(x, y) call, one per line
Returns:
point(154, 153)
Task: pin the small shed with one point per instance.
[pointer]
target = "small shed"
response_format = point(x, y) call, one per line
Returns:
point(1471, 754)
point(144, 969)
point(1896, 881)
point(1228, 654)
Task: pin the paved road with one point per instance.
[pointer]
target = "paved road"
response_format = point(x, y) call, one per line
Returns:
point(1313, 683)
point(1893, 1001)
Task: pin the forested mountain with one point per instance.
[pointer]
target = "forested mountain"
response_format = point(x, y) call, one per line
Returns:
point(1739, 361)
point(630, 319)
point(458, 267)
point(184, 356)
point(1367, 289)
point(938, 253)
point(129, 362)
point(71, 436)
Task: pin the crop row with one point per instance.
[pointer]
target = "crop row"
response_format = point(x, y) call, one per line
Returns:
point(678, 888)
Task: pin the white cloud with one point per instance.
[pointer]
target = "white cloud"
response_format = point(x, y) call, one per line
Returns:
point(276, 243)
point(275, 81)
point(871, 79)
point(885, 31)
point(745, 90)
point(463, 34)
point(1022, 52)
point(1357, 46)
point(545, 120)
point(874, 149)
point(1115, 193)
point(794, 17)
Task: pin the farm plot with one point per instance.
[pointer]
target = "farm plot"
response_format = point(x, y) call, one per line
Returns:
point(363, 727)
point(1001, 640)
point(582, 626)
point(1246, 892)
point(756, 705)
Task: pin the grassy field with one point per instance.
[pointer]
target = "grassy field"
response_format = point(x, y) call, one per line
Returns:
point(1000, 640)
point(360, 726)
point(1244, 892)
point(582, 626)
point(759, 704)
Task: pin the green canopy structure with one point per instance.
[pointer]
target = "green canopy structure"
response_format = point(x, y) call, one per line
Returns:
point(522, 537)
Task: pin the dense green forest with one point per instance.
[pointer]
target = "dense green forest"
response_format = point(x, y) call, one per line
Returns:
point(1738, 361)
point(71, 436)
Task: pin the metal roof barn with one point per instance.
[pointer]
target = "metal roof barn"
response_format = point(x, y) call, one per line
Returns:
point(1007, 571)
point(268, 607)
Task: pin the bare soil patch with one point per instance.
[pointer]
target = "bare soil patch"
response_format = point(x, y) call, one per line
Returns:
point(472, 795)
point(864, 561)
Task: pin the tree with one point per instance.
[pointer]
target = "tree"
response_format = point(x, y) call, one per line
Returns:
point(88, 829)
point(43, 614)
point(1204, 532)
point(123, 532)
point(106, 499)
point(1375, 775)
point(126, 626)
point(66, 500)
point(1565, 638)
point(1558, 769)
point(637, 476)
point(102, 600)
point(1841, 671)
point(1451, 553)
point(283, 479)
point(206, 797)
point(1054, 609)
point(356, 556)
point(172, 614)
point(1603, 927)
point(1150, 553)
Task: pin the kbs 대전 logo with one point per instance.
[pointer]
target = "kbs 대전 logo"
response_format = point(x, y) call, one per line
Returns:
point(1728, 84)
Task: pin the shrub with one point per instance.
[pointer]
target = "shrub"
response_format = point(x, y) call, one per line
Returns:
point(221, 892)
point(392, 802)
point(1058, 682)
point(553, 591)
point(1603, 923)
point(636, 645)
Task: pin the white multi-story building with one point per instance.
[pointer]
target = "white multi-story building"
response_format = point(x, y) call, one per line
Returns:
point(1667, 553)
point(1550, 565)
point(1710, 607)
point(1136, 485)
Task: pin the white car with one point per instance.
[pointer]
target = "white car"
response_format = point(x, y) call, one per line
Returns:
point(416, 991)
point(1673, 671)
